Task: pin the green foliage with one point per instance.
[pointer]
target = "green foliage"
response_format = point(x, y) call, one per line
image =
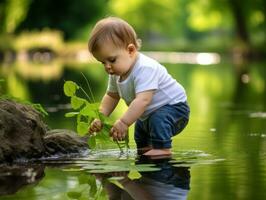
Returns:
point(143, 15)
point(85, 112)
point(87, 189)
point(114, 181)
point(36, 106)
point(134, 174)
point(70, 88)
point(67, 16)
point(6, 41)
point(74, 194)
point(12, 13)
point(39, 108)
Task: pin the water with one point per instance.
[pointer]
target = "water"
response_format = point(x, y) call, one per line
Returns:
point(220, 155)
point(162, 178)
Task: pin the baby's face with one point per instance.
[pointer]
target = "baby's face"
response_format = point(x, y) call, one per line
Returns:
point(117, 61)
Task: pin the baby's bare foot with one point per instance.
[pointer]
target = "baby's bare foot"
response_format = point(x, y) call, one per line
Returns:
point(158, 152)
point(143, 150)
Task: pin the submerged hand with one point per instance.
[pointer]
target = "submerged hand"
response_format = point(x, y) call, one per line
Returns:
point(119, 130)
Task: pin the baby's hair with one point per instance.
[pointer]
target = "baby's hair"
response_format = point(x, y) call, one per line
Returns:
point(113, 29)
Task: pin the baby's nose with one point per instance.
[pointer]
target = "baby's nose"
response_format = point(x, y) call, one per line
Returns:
point(107, 66)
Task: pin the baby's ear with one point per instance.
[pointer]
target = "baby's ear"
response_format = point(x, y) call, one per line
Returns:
point(131, 48)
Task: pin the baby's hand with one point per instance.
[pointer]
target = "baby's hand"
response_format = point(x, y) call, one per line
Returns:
point(119, 130)
point(96, 126)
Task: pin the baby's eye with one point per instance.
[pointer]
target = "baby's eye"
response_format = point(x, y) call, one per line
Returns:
point(112, 60)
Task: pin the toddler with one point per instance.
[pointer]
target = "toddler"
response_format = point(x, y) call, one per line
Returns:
point(157, 103)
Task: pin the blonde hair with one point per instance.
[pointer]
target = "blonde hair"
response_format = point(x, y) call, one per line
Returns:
point(113, 29)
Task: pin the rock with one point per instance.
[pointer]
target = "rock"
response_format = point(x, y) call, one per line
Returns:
point(62, 141)
point(23, 134)
point(21, 131)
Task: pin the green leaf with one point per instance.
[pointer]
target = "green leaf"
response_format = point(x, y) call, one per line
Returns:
point(70, 88)
point(107, 127)
point(82, 128)
point(92, 142)
point(40, 109)
point(88, 111)
point(93, 189)
point(134, 174)
point(102, 196)
point(115, 182)
point(71, 114)
point(83, 179)
point(77, 102)
point(93, 185)
point(78, 118)
point(105, 119)
point(103, 135)
point(91, 179)
point(74, 194)
point(94, 106)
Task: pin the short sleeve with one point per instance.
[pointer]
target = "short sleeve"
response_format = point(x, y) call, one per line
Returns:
point(112, 86)
point(146, 78)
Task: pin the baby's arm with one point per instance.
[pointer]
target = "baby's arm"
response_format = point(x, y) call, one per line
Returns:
point(137, 107)
point(108, 103)
point(135, 110)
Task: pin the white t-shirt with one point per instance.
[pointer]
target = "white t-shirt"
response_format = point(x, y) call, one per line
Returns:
point(148, 74)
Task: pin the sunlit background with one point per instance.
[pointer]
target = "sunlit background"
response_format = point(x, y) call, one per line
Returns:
point(215, 49)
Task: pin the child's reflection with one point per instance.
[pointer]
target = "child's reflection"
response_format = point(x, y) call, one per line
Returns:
point(171, 183)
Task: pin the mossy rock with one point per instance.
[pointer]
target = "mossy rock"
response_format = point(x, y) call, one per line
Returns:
point(23, 134)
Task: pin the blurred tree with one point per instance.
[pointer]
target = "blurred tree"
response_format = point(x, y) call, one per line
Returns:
point(245, 18)
point(66, 15)
point(205, 15)
point(12, 13)
point(240, 14)
point(168, 23)
point(240, 22)
point(148, 17)
point(249, 19)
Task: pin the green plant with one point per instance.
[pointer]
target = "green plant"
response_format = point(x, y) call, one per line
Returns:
point(87, 189)
point(38, 107)
point(86, 110)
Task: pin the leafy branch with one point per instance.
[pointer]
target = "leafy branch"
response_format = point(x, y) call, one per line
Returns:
point(85, 111)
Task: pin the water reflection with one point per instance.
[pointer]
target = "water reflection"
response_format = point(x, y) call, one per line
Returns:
point(185, 57)
point(105, 173)
point(169, 182)
point(13, 178)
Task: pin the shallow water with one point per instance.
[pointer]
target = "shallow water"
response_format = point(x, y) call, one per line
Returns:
point(220, 155)
point(58, 178)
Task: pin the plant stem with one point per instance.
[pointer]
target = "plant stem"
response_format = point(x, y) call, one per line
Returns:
point(86, 94)
point(120, 148)
point(92, 96)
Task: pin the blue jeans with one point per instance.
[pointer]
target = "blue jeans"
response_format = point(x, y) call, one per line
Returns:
point(161, 125)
